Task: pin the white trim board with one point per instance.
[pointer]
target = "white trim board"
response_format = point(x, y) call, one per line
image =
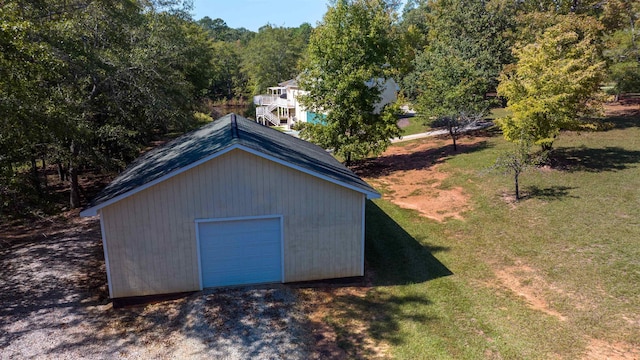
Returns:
point(106, 257)
point(92, 211)
point(364, 213)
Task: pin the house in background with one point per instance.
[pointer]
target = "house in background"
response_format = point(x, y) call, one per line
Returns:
point(231, 203)
point(280, 106)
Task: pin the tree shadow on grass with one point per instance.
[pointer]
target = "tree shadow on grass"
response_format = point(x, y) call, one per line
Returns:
point(395, 256)
point(382, 315)
point(491, 131)
point(417, 160)
point(624, 122)
point(575, 159)
point(549, 193)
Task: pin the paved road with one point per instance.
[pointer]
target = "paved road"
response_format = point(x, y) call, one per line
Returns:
point(472, 127)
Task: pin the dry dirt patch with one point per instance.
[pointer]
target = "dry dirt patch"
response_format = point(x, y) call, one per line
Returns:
point(598, 349)
point(625, 107)
point(410, 190)
point(526, 283)
point(410, 177)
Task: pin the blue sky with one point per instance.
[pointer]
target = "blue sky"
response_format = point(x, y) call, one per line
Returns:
point(252, 14)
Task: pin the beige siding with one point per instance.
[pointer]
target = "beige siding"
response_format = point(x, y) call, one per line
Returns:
point(151, 240)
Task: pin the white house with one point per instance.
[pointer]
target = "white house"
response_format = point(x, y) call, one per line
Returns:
point(280, 106)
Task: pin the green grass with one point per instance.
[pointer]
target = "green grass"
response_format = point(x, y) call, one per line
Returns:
point(576, 235)
point(416, 126)
point(497, 113)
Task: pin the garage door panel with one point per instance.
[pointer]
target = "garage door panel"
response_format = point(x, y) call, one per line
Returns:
point(230, 245)
point(240, 252)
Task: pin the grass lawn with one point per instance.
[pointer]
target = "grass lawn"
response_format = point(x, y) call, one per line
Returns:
point(497, 113)
point(416, 126)
point(556, 275)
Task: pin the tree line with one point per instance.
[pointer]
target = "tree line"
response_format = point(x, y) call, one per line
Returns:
point(548, 60)
point(87, 84)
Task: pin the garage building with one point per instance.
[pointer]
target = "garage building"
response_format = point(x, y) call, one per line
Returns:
point(231, 203)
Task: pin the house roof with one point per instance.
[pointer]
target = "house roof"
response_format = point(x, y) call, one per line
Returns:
point(289, 83)
point(216, 138)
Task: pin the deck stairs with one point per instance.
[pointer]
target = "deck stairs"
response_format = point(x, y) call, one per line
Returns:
point(267, 114)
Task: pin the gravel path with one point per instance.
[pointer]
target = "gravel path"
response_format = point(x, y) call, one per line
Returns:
point(54, 305)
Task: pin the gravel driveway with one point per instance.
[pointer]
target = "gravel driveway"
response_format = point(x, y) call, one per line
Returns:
point(54, 304)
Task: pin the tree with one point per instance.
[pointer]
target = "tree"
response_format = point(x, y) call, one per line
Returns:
point(140, 71)
point(272, 56)
point(468, 45)
point(622, 48)
point(412, 34)
point(218, 30)
point(516, 161)
point(478, 31)
point(623, 56)
point(588, 7)
point(227, 81)
point(345, 67)
point(25, 99)
point(452, 91)
point(554, 83)
point(93, 81)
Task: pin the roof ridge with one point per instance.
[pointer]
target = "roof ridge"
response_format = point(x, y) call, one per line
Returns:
point(211, 140)
point(234, 126)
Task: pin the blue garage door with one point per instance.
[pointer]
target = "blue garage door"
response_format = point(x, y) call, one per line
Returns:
point(240, 252)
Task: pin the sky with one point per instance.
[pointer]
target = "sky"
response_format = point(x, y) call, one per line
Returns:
point(252, 14)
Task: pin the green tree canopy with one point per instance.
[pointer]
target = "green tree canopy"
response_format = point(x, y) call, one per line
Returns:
point(346, 64)
point(622, 49)
point(272, 56)
point(93, 81)
point(475, 31)
point(554, 83)
point(218, 30)
point(623, 56)
point(453, 91)
point(227, 80)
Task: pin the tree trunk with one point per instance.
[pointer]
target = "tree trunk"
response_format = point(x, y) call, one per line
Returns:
point(61, 173)
point(44, 172)
point(517, 185)
point(348, 160)
point(35, 179)
point(74, 196)
point(453, 137)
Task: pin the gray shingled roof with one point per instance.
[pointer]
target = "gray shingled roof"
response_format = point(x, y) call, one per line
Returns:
point(219, 135)
point(292, 82)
